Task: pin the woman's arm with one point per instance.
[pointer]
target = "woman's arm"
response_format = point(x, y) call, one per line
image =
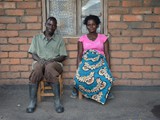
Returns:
point(80, 52)
point(106, 52)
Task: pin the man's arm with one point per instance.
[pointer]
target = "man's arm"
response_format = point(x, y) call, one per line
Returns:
point(58, 59)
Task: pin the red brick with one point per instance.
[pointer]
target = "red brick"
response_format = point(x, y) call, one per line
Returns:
point(134, 75)
point(141, 68)
point(70, 62)
point(151, 47)
point(142, 10)
point(10, 75)
point(156, 82)
point(120, 40)
point(117, 75)
point(151, 18)
point(8, 33)
point(25, 74)
point(4, 54)
point(10, 61)
point(115, 47)
point(114, 32)
point(19, 68)
point(66, 68)
point(131, 32)
point(156, 68)
point(9, 47)
point(118, 11)
point(131, 47)
point(156, 54)
point(156, 39)
point(157, 10)
point(71, 47)
point(2, 26)
point(135, 3)
point(29, 19)
point(121, 68)
point(28, 33)
point(142, 40)
point(7, 5)
point(73, 68)
point(117, 25)
point(122, 82)
point(72, 54)
point(73, 40)
point(151, 75)
point(136, 25)
point(133, 61)
point(15, 12)
point(17, 54)
point(131, 18)
point(113, 3)
point(114, 18)
point(1, 12)
point(3, 40)
point(16, 26)
point(7, 20)
point(120, 54)
point(115, 61)
point(26, 61)
point(157, 25)
point(152, 61)
point(69, 75)
point(142, 54)
point(151, 32)
point(26, 5)
point(141, 82)
point(14, 0)
point(34, 26)
point(24, 47)
point(17, 40)
point(33, 11)
point(4, 68)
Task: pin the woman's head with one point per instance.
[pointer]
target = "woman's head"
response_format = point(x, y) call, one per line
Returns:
point(92, 17)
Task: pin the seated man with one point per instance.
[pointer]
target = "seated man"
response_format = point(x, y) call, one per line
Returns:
point(48, 51)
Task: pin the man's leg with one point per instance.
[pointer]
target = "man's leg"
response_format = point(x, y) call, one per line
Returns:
point(52, 72)
point(35, 77)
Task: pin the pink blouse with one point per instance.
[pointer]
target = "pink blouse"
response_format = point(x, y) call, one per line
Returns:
point(97, 44)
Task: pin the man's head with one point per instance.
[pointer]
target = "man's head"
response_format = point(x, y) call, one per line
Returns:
point(51, 25)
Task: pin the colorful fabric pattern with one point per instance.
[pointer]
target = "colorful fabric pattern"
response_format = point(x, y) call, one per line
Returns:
point(93, 76)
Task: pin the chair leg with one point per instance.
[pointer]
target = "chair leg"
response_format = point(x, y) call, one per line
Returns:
point(80, 95)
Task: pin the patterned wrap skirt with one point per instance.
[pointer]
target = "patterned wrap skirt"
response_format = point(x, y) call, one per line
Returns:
point(93, 76)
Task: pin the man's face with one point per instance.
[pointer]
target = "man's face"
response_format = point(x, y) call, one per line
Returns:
point(51, 26)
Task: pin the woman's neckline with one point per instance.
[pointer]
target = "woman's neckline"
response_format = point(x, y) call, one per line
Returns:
point(92, 39)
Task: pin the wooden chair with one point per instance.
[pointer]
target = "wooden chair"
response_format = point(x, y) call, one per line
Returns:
point(42, 88)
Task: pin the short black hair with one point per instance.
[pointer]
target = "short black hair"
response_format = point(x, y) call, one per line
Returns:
point(52, 18)
point(92, 17)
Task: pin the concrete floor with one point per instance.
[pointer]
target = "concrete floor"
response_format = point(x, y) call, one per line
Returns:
point(130, 103)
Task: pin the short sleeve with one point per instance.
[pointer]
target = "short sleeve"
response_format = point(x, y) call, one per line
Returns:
point(32, 48)
point(81, 39)
point(104, 38)
point(62, 48)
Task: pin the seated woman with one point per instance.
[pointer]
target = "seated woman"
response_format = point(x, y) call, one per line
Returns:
point(93, 76)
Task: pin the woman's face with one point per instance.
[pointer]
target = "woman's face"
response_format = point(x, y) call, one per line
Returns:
point(91, 26)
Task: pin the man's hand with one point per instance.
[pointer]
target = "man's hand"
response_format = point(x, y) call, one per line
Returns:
point(42, 61)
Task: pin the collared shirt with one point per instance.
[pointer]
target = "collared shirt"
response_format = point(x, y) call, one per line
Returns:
point(48, 49)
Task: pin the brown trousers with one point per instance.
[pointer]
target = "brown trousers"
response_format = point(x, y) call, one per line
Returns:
point(49, 71)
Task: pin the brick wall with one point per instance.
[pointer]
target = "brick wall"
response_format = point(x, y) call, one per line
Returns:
point(135, 42)
point(134, 26)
